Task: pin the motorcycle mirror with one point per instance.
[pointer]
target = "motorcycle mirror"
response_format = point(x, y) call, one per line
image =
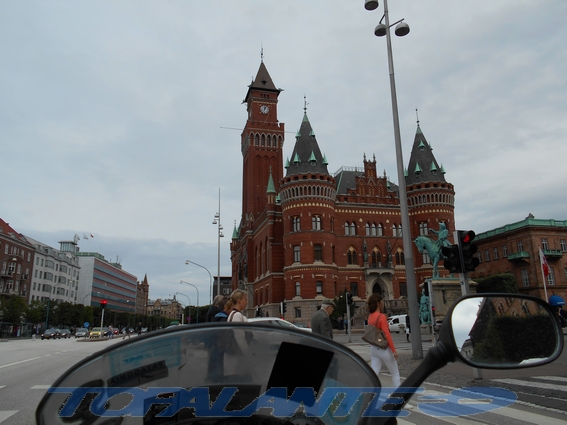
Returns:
point(505, 331)
point(489, 331)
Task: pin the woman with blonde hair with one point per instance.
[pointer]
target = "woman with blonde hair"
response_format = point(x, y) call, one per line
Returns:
point(236, 305)
point(388, 356)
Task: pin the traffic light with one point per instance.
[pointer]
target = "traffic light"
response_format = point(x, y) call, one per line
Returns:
point(464, 250)
point(284, 307)
point(452, 258)
point(349, 298)
point(470, 262)
point(102, 303)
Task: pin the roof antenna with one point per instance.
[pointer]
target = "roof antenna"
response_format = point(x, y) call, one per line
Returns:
point(261, 53)
point(417, 117)
point(305, 104)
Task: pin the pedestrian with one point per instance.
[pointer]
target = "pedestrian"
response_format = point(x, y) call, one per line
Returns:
point(139, 328)
point(321, 321)
point(408, 329)
point(222, 315)
point(214, 309)
point(126, 332)
point(236, 304)
point(379, 356)
point(110, 331)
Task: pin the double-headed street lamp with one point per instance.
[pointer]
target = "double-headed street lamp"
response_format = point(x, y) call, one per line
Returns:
point(401, 30)
point(217, 221)
point(197, 289)
point(188, 305)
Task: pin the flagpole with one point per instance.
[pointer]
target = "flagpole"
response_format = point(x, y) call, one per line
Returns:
point(541, 261)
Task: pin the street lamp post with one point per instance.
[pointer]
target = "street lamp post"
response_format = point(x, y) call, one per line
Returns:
point(49, 305)
point(217, 221)
point(401, 30)
point(197, 289)
point(189, 305)
point(210, 275)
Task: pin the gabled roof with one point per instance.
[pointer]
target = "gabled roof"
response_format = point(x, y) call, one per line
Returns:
point(306, 155)
point(423, 167)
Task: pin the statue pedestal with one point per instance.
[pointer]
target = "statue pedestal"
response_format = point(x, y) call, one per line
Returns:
point(445, 291)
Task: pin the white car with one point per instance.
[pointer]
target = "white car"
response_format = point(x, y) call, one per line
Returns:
point(277, 322)
point(397, 323)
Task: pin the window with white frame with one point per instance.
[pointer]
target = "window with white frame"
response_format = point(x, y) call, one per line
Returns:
point(423, 229)
point(316, 222)
point(544, 244)
point(563, 245)
point(551, 277)
point(520, 246)
point(296, 254)
point(486, 255)
point(525, 277)
point(495, 253)
point(504, 251)
point(295, 224)
point(319, 285)
point(317, 253)
point(297, 289)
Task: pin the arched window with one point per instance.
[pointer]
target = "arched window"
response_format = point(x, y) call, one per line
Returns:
point(380, 230)
point(297, 289)
point(257, 140)
point(352, 257)
point(400, 260)
point(375, 258)
point(347, 228)
point(353, 228)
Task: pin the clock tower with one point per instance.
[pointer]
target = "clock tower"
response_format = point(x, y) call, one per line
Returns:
point(261, 144)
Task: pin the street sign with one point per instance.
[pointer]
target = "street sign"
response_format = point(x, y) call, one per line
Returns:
point(86, 325)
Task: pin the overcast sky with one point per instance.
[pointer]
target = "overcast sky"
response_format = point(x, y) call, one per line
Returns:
point(120, 118)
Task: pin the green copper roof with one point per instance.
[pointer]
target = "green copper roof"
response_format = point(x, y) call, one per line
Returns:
point(325, 162)
point(417, 168)
point(405, 172)
point(296, 159)
point(422, 145)
point(442, 169)
point(287, 163)
point(271, 187)
point(433, 167)
point(312, 133)
point(235, 232)
point(418, 131)
point(312, 157)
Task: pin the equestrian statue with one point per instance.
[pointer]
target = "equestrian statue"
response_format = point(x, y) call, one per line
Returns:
point(433, 247)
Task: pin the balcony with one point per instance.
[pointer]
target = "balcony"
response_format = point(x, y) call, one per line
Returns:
point(553, 254)
point(519, 256)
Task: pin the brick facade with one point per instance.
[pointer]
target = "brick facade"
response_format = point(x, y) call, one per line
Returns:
point(308, 234)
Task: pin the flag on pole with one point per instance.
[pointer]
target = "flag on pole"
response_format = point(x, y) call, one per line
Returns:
point(85, 236)
point(544, 265)
point(92, 235)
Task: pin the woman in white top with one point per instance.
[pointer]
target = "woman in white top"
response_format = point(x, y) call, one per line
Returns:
point(236, 304)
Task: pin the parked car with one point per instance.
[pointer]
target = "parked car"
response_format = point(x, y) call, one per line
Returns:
point(397, 323)
point(51, 333)
point(65, 333)
point(277, 322)
point(302, 325)
point(96, 333)
point(81, 333)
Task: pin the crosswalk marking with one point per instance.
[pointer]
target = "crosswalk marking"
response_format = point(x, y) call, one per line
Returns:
point(552, 378)
point(40, 387)
point(541, 385)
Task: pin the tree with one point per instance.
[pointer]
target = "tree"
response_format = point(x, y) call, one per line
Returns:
point(503, 282)
point(14, 309)
point(35, 312)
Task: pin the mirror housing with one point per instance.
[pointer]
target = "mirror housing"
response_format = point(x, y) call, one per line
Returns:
point(502, 331)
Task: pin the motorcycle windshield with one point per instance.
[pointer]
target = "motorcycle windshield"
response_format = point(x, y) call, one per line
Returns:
point(208, 373)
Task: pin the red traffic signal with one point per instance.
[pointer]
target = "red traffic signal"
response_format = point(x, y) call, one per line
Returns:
point(468, 249)
point(102, 303)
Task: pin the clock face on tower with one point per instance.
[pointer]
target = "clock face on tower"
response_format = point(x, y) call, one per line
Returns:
point(264, 109)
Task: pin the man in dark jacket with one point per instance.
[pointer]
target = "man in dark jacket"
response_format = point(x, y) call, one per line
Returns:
point(321, 321)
